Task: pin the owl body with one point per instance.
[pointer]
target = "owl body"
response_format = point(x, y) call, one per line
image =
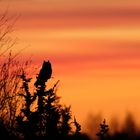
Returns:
point(44, 74)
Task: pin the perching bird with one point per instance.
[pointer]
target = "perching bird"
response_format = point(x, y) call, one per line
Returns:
point(45, 74)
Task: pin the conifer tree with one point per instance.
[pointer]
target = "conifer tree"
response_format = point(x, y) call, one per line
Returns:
point(48, 118)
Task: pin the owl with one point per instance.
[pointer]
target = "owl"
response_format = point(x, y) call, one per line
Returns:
point(44, 74)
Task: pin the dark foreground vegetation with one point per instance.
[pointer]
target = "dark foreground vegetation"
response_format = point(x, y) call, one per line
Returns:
point(39, 115)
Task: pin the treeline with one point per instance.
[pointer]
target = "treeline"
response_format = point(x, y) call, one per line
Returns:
point(113, 129)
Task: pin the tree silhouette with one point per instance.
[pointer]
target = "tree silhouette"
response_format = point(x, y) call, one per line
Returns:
point(104, 128)
point(42, 115)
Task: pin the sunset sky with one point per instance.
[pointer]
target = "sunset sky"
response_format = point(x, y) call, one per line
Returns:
point(94, 48)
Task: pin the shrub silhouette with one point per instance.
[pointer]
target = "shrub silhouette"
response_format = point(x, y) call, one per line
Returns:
point(48, 118)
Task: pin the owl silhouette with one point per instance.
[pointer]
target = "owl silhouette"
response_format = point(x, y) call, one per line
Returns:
point(44, 74)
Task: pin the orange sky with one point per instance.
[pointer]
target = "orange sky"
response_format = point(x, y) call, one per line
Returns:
point(94, 47)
